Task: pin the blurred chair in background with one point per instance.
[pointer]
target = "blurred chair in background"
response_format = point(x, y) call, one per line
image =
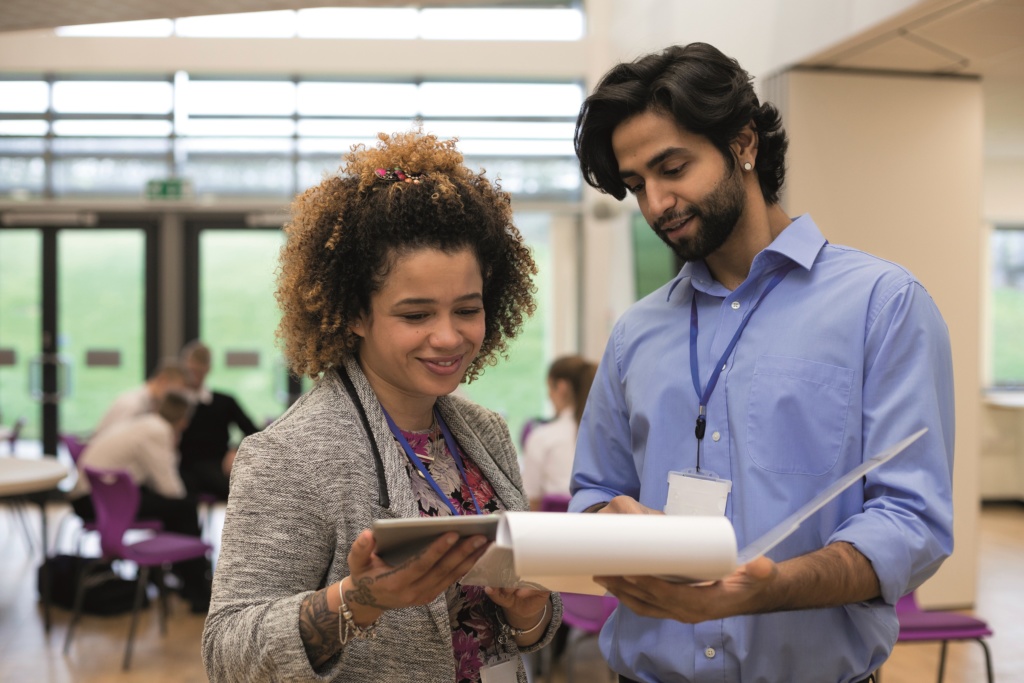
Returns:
point(116, 501)
point(918, 625)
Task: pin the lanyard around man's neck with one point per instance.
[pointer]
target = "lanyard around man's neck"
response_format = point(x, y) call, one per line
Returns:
point(704, 396)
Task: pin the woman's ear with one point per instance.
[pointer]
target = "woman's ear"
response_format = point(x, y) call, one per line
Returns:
point(358, 326)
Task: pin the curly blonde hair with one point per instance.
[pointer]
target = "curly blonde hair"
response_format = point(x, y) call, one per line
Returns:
point(346, 233)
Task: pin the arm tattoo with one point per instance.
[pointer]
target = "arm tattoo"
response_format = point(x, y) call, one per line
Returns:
point(318, 628)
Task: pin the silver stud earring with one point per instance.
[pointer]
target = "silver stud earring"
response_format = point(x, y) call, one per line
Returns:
point(747, 166)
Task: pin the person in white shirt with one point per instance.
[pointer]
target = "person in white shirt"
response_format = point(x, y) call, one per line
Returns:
point(146, 447)
point(549, 447)
point(169, 376)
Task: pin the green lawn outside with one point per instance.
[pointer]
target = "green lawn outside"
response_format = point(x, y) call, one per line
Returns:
point(20, 323)
point(1007, 349)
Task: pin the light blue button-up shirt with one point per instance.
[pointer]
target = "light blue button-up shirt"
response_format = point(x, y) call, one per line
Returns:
point(846, 356)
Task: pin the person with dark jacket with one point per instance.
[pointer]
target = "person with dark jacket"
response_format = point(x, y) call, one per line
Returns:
point(206, 452)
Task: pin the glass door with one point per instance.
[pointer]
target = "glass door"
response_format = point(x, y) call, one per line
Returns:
point(77, 324)
point(21, 306)
point(230, 306)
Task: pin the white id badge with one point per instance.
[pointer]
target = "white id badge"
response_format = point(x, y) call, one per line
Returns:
point(503, 672)
point(690, 493)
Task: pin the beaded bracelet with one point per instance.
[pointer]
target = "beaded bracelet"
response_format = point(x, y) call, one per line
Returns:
point(509, 631)
point(347, 627)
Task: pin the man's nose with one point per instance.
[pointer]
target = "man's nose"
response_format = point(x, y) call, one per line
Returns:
point(660, 200)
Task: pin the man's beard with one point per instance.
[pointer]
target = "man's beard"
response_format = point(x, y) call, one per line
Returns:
point(718, 214)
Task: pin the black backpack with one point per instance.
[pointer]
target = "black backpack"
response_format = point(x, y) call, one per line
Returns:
point(107, 593)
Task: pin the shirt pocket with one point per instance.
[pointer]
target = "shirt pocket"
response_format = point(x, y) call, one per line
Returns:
point(796, 414)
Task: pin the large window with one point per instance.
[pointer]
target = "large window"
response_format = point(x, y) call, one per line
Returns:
point(517, 386)
point(268, 137)
point(1008, 307)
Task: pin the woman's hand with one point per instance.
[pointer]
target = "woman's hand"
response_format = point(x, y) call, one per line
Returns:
point(377, 586)
point(525, 609)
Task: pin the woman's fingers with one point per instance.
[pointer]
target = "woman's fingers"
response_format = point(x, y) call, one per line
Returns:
point(419, 579)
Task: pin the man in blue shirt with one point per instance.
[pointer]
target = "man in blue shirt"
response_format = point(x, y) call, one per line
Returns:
point(775, 360)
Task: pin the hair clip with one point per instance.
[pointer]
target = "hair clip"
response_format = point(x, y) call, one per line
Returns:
point(397, 174)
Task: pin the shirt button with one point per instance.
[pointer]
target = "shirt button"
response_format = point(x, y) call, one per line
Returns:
point(709, 653)
point(716, 436)
point(735, 305)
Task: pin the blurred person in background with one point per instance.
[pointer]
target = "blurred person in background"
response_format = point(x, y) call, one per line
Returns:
point(549, 447)
point(206, 449)
point(168, 376)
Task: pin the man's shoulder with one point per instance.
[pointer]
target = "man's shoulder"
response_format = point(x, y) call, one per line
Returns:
point(863, 263)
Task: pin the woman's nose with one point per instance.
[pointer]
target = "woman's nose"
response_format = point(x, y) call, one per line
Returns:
point(445, 333)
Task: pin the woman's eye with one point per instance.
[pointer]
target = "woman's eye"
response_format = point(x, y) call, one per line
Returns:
point(470, 311)
point(414, 317)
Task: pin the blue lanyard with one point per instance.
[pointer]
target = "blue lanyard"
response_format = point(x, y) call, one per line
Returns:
point(704, 396)
point(418, 464)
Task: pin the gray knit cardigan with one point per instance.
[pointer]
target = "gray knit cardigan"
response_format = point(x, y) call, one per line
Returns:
point(301, 491)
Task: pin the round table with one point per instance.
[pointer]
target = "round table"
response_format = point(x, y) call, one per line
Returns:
point(24, 479)
point(19, 476)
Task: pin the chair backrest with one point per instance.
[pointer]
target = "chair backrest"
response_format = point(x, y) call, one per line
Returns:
point(555, 502)
point(907, 604)
point(15, 432)
point(74, 445)
point(116, 500)
point(528, 426)
point(587, 612)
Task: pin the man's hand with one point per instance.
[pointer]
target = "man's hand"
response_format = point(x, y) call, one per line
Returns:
point(742, 592)
point(837, 574)
point(624, 505)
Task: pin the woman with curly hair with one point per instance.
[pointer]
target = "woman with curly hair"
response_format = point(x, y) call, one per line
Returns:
point(401, 278)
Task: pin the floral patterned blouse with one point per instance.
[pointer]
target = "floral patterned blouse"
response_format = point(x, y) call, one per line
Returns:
point(471, 613)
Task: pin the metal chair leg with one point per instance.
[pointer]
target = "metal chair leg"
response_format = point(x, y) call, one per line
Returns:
point(76, 613)
point(988, 660)
point(140, 590)
point(942, 661)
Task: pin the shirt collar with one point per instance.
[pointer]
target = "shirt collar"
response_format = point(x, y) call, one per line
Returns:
point(202, 395)
point(799, 242)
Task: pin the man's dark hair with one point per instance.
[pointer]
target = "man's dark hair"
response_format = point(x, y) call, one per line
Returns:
point(706, 92)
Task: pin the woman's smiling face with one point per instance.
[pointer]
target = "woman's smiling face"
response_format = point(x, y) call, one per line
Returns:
point(424, 327)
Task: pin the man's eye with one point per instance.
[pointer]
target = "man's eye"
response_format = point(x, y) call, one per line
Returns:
point(413, 317)
point(635, 188)
point(675, 171)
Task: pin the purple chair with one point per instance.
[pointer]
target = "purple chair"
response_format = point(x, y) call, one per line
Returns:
point(116, 499)
point(555, 502)
point(918, 625)
point(12, 436)
point(76, 447)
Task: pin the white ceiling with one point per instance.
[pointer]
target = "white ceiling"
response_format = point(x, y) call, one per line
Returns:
point(17, 15)
point(978, 37)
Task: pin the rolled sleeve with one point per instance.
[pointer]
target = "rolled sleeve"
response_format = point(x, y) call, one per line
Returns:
point(906, 528)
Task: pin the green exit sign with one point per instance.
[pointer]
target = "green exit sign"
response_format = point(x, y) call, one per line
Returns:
point(169, 188)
